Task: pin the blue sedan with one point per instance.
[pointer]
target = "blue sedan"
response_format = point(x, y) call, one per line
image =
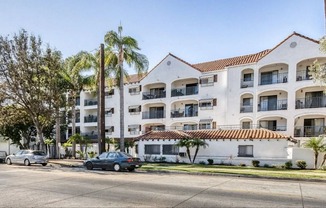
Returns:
point(113, 161)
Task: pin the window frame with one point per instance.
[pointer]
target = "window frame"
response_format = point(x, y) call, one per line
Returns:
point(152, 152)
point(241, 152)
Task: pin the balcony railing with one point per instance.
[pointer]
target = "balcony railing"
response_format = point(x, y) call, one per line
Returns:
point(90, 135)
point(275, 79)
point(90, 119)
point(311, 102)
point(148, 95)
point(184, 91)
point(309, 131)
point(183, 113)
point(247, 83)
point(279, 105)
point(90, 102)
point(154, 114)
point(303, 75)
point(246, 108)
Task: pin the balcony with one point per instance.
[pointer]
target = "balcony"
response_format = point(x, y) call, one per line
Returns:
point(303, 75)
point(90, 135)
point(311, 102)
point(309, 131)
point(183, 113)
point(155, 95)
point(90, 102)
point(246, 108)
point(153, 114)
point(271, 106)
point(247, 83)
point(270, 78)
point(90, 119)
point(193, 90)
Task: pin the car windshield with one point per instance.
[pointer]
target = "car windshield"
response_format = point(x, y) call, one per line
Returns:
point(2, 154)
point(38, 153)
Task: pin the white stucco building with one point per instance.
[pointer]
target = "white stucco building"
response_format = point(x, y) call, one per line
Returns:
point(270, 89)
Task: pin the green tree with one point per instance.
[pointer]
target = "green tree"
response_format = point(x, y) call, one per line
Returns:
point(196, 142)
point(26, 71)
point(48, 142)
point(317, 145)
point(119, 50)
point(187, 143)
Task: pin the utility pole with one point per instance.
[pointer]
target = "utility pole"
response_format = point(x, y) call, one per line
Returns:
point(101, 116)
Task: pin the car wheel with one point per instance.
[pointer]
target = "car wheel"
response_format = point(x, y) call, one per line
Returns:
point(116, 167)
point(27, 163)
point(44, 164)
point(89, 166)
point(9, 162)
point(131, 169)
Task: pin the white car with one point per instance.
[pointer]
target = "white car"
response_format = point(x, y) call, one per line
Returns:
point(28, 157)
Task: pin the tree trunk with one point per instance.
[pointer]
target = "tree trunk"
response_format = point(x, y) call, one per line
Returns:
point(323, 163)
point(73, 123)
point(40, 137)
point(316, 160)
point(188, 153)
point(122, 139)
point(193, 159)
point(57, 134)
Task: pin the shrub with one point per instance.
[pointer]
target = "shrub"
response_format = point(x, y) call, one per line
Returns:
point(202, 162)
point(210, 161)
point(266, 166)
point(301, 164)
point(255, 163)
point(81, 154)
point(288, 164)
point(242, 165)
point(92, 154)
point(323, 168)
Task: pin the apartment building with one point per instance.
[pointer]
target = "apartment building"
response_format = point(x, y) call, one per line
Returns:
point(270, 89)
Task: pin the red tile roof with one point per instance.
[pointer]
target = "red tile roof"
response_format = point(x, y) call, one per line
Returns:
point(215, 134)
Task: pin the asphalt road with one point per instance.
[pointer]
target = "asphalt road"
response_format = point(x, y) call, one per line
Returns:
point(38, 186)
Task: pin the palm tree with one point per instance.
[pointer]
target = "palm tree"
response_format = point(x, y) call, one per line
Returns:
point(196, 142)
point(187, 143)
point(72, 75)
point(122, 49)
point(317, 144)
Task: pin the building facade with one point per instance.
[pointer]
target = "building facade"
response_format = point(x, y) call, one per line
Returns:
point(270, 89)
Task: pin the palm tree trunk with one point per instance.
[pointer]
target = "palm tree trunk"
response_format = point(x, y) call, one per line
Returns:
point(73, 123)
point(323, 163)
point(316, 159)
point(188, 153)
point(57, 133)
point(193, 159)
point(122, 139)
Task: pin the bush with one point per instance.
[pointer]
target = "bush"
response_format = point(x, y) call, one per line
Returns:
point(288, 165)
point(301, 164)
point(210, 161)
point(202, 163)
point(255, 163)
point(92, 154)
point(242, 165)
point(323, 168)
point(266, 166)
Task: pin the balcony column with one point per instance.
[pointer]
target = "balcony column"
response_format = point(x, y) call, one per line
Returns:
point(290, 126)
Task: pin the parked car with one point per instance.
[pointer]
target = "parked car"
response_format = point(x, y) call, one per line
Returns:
point(113, 161)
point(3, 155)
point(28, 157)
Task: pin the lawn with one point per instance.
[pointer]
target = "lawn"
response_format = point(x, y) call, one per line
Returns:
point(237, 170)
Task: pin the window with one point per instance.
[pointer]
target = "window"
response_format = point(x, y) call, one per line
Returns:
point(153, 149)
point(247, 101)
point(134, 129)
point(170, 149)
point(208, 80)
point(270, 125)
point(245, 151)
point(109, 112)
point(109, 129)
point(247, 77)
point(190, 127)
point(205, 126)
point(246, 125)
point(109, 93)
point(135, 109)
point(134, 90)
point(207, 104)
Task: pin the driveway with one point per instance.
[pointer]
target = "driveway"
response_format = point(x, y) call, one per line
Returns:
point(38, 186)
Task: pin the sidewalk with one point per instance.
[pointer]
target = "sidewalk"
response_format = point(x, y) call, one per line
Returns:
point(67, 162)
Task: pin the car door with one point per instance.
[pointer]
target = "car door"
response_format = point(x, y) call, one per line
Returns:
point(98, 163)
point(111, 159)
point(15, 157)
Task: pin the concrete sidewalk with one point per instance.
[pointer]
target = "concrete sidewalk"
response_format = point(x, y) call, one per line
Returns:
point(67, 162)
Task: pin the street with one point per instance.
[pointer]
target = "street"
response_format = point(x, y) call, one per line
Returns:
point(51, 186)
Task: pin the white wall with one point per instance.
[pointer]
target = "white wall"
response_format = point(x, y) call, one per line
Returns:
point(306, 155)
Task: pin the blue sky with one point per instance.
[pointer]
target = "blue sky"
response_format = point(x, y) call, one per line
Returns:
point(194, 30)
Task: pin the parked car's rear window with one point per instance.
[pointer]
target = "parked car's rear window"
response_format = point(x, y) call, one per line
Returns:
point(123, 154)
point(38, 153)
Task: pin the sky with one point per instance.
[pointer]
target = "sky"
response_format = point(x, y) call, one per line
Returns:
point(194, 30)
